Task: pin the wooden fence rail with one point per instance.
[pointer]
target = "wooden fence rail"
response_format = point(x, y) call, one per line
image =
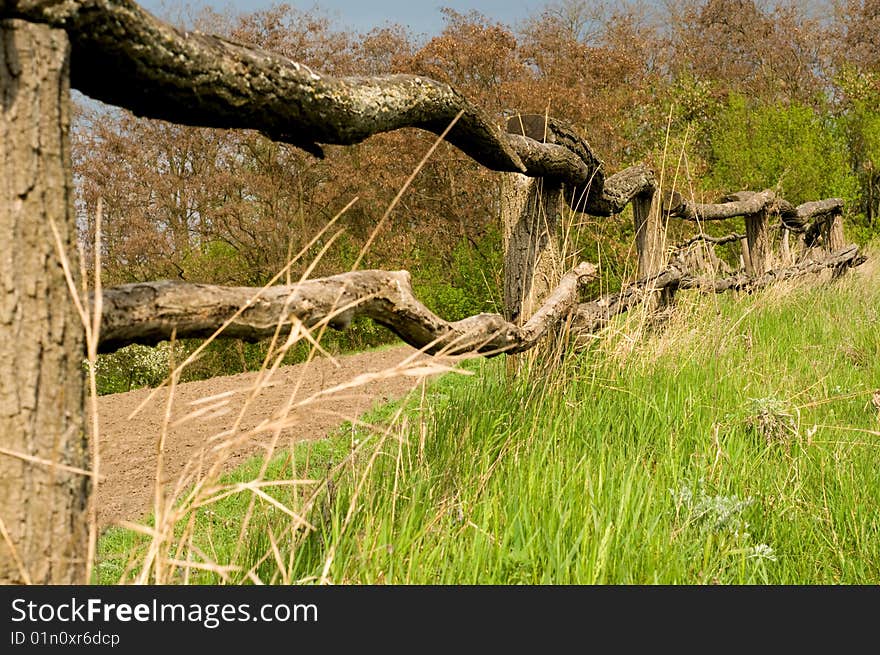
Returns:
point(114, 51)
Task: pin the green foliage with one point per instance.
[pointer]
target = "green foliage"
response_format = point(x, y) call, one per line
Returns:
point(695, 106)
point(792, 148)
point(861, 119)
point(218, 262)
point(469, 284)
point(135, 366)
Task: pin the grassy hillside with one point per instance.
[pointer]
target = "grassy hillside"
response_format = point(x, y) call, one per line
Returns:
point(735, 443)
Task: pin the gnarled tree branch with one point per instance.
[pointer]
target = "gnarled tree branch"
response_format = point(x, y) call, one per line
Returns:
point(811, 218)
point(551, 148)
point(550, 160)
point(619, 189)
point(124, 56)
point(747, 203)
point(150, 312)
point(743, 203)
point(798, 218)
point(849, 257)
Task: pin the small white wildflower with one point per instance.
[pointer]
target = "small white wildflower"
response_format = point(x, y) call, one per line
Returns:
point(762, 552)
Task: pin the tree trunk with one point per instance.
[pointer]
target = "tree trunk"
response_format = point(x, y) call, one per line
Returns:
point(833, 233)
point(530, 210)
point(650, 241)
point(758, 238)
point(649, 234)
point(42, 505)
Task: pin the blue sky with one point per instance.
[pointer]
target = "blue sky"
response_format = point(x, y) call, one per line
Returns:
point(421, 16)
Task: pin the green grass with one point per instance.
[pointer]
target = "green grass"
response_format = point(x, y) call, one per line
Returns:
point(735, 445)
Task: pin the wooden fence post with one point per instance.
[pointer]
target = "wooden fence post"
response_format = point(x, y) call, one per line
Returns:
point(531, 209)
point(785, 248)
point(649, 233)
point(42, 503)
point(745, 257)
point(758, 238)
point(832, 233)
point(650, 241)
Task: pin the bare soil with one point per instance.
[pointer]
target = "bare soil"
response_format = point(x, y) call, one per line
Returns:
point(129, 446)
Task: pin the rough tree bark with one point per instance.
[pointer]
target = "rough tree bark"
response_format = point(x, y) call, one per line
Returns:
point(610, 195)
point(42, 505)
point(530, 215)
point(698, 253)
point(832, 232)
point(745, 256)
point(799, 218)
point(718, 241)
point(649, 233)
point(651, 241)
point(149, 312)
point(785, 256)
point(124, 56)
point(744, 203)
point(758, 237)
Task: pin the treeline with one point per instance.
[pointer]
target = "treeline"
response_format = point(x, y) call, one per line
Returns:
point(719, 95)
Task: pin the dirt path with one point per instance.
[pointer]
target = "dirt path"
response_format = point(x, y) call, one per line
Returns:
point(129, 446)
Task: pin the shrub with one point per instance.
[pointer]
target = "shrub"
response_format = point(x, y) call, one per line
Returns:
point(791, 147)
point(136, 366)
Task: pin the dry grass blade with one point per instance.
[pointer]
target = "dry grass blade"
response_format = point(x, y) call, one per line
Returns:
point(22, 569)
point(45, 462)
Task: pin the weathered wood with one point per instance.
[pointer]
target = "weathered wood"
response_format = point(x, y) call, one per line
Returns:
point(649, 230)
point(552, 149)
point(592, 316)
point(815, 221)
point(718, 241)
point(546, 129)
point(832, 233)
point(530, 215)
point(812, 219)
point(848, 257)
point(746, 257)
point(798, 218)
point(785, 255)
point(743, 203)
point(699, 258)
point(150, 312)
point(42, 505)
point(124, 56)
point(550, 160)
point(619, 189)
point(758, 237)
